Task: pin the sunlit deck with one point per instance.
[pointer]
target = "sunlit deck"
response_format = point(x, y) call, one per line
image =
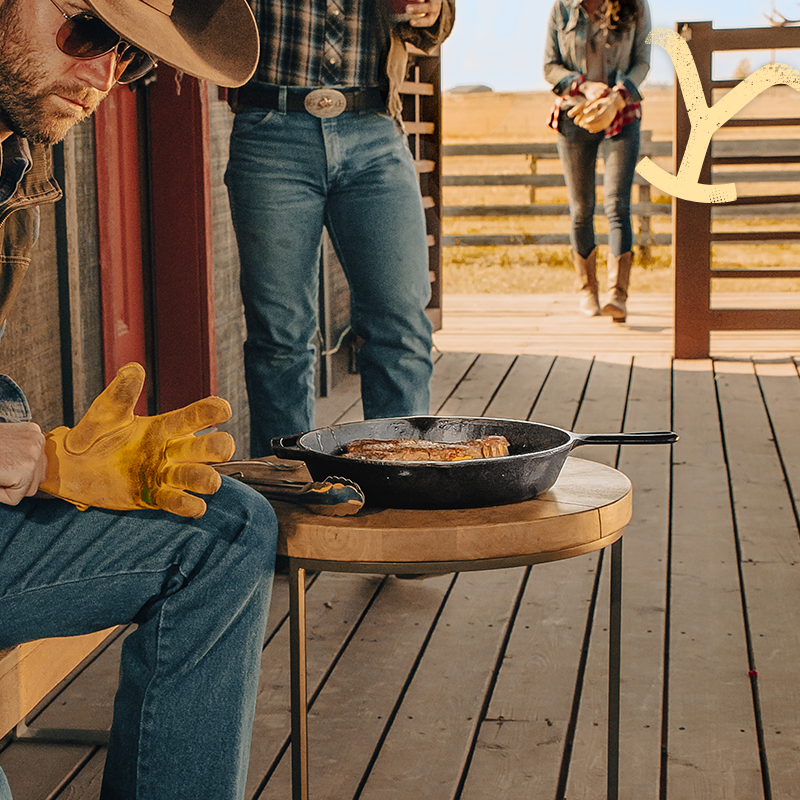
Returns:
point(493, 684)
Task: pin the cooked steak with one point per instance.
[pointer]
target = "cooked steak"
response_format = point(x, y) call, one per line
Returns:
point(424, 450)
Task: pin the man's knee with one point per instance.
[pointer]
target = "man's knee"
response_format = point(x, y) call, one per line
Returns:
point(245, 515)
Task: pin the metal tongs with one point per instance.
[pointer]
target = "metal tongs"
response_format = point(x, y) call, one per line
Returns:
point(333, 497)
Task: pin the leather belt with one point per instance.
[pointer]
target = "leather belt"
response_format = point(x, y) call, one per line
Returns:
point(318, 102)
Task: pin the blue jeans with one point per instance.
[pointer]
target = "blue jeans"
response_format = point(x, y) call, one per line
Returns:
point(199, 591)
point(578, 149)
point(288, 175)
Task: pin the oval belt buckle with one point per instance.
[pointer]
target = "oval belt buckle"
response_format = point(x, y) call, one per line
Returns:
point(325, 103)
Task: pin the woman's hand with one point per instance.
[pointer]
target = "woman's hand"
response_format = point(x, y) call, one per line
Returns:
point(593, 90)
point(597, 115)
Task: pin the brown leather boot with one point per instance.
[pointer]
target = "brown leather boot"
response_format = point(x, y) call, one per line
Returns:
point(586, 279)
point(619, 275)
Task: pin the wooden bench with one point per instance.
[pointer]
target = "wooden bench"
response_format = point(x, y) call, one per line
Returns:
point(30, 671)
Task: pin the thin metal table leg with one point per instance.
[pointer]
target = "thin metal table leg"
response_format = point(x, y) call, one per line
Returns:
point(615, 636)
point(299, 690)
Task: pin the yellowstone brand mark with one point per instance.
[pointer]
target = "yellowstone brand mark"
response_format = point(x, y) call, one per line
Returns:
point(705, 120)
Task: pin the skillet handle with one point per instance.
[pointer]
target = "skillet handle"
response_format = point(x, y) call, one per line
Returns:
point(286, 446)
point(644, 437)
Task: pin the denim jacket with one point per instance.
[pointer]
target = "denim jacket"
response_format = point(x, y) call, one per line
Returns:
point(19, 223)
point(19, 228)
point(628, 56)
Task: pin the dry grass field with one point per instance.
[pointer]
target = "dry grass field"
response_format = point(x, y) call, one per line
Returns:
point(496, 117)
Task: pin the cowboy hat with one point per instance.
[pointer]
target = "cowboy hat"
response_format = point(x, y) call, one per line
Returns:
point(216, 40)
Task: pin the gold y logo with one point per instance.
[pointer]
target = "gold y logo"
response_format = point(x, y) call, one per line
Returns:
point(704, 120)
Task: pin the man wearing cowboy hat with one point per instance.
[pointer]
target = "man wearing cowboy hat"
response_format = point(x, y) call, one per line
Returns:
point(122, 519)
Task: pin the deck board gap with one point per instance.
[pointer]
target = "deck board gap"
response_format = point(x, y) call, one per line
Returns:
point(748, 628)
point(403, 691)
point(345, 643)
point(501, 654)
point(572, 725)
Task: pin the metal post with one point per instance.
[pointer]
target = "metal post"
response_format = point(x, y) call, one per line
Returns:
point(299, 691)
point(615, 636)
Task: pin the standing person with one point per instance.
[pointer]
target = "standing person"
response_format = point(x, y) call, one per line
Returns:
point(317, 141)
point(596, 57)
point(196, 581)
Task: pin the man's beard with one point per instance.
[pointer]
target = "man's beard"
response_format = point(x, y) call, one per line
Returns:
point(27, 104)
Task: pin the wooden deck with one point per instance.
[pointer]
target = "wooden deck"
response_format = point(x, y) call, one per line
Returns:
point(480, 686)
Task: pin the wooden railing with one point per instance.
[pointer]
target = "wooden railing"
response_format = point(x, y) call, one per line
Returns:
point(643, 208)
point(695, 318)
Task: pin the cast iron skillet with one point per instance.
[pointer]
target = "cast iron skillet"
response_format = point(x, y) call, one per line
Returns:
point(536, 455)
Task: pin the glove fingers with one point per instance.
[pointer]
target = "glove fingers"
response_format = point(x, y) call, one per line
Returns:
point(197, 416)
point(178, 502)
point(198, 478)
point(111, 409)
point(209, 448)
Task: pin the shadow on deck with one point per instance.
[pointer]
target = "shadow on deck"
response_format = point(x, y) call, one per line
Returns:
point(494, 685)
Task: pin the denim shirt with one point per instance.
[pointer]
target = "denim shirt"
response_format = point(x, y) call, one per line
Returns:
point(26, 181)
point(13, 404)
point(627, 53)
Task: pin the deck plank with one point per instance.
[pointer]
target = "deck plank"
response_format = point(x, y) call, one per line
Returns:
point(516, 396)
point(780, 385)
point(712, 743)
point(381, 650)
point(475, 391)
point(602, 410)
point(428, 745)
point(334, 604)
point(522, 738)
point(644, 581)
point(549, 324)
point(770, 557)
point(536, 702)
point(447, 372)
point(345, 396)
point(347, 720)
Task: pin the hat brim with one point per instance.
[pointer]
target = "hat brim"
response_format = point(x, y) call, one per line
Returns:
point(216, 40)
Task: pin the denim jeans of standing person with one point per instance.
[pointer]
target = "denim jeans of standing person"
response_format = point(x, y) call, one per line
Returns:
point(199, 590)
point(578, 150)
point(288, 175)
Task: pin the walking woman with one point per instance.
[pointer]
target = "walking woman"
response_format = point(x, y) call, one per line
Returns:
point(596, 57)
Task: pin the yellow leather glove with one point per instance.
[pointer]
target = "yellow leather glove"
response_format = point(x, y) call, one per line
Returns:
point(116, 460)
point(598, 114)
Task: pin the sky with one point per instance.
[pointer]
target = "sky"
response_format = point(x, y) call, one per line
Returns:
point(500, 43)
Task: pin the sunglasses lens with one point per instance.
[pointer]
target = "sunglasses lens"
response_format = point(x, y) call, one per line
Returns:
point(133, 64)
point(85, 36)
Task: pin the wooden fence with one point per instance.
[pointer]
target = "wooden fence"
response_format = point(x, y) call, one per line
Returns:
point(693, 223)
point(643, 208)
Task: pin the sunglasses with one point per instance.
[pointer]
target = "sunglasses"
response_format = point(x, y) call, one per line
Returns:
point(85, 36)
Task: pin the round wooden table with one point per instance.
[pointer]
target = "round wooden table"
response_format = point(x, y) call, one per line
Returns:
point(587, 509)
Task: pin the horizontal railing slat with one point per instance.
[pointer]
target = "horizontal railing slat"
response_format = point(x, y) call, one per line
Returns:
point(658, 149)
point(554, 180)
point(731, 152)
point(755, 273)
point(545, 210)
point(514, 239)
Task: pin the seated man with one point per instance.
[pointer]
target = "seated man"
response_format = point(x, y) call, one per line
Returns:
point(192, 568)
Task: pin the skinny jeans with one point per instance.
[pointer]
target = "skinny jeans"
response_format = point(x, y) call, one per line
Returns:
point(578, 150)
point(199, 591)
point(289, 174)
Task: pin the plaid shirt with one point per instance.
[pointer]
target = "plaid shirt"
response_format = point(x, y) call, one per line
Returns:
point(307, 43)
